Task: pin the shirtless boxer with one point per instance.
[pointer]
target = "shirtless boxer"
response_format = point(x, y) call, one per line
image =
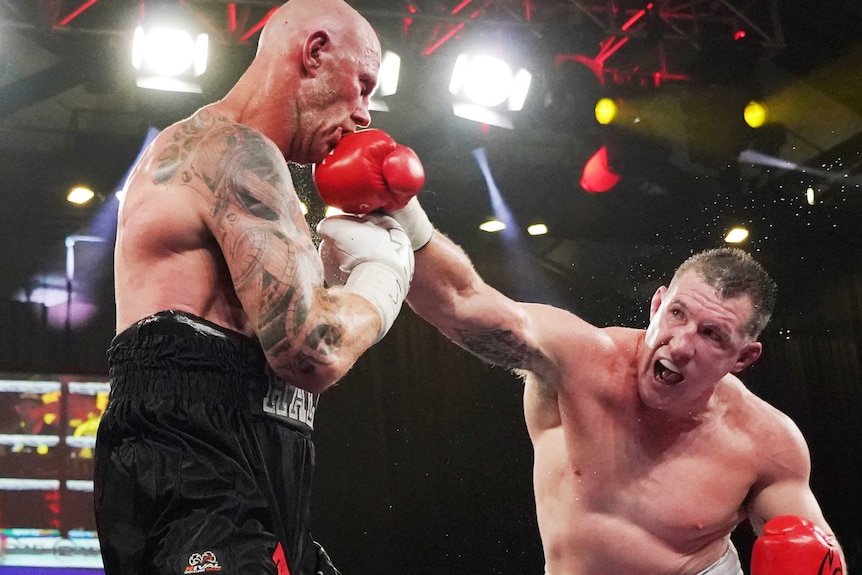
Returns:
point(648, 450)
point(226, 333)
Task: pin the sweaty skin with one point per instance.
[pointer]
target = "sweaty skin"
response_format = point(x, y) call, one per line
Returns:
point(211, 223)
point(648, 450)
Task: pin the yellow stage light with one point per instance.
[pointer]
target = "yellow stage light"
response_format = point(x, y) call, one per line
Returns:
point(755, 114)
point(606, 111)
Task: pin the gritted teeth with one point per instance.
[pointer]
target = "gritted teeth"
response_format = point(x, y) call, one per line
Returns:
point(667, 372)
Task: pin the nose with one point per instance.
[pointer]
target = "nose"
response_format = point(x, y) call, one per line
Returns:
point(361, 116)
point(681, 344)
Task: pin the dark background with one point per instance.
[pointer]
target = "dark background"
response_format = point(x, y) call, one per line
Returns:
point(424, 461)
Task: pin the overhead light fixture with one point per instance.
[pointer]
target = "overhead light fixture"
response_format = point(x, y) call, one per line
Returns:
point(755, 114)
point(537, 229)
point(387, 81)
point(487, 89)
point(817, 194)
point(492, 226)
point(606, 111)
point(598, 176)
point(736, 235)
point(169, 58)
point(80, 195)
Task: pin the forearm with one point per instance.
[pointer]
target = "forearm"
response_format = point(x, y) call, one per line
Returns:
point(448, 293)
point(443, 283)
point(338, 328)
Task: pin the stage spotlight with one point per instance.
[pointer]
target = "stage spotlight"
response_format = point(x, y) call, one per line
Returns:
point(80, 195)
point(489, 89)
point(169, 58)
point(493, 225)
point(387, 81)
point(736, 235)
point(755, 114)
point(537, 229)
point(597, 176)
point(606, 111)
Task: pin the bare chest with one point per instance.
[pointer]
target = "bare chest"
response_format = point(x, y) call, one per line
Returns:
point(682, 491)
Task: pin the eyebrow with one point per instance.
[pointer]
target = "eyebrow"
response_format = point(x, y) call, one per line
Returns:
point(722, 330)
point(724, 333)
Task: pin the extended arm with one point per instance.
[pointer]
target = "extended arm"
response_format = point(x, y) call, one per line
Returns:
point(369, 171)
point(448, 293)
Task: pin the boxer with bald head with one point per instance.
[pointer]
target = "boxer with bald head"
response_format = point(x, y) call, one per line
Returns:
point(226, 330)
point(648, 449)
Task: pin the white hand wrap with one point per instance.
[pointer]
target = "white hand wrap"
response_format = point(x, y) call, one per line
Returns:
point(415, 222)
point(369, 255)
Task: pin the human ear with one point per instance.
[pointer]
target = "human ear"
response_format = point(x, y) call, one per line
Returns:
point(655, 302)
point(747, 356)
point(315, 44)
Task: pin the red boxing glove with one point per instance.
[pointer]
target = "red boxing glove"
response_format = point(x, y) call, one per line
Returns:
point(794, 546)
point(369, 171)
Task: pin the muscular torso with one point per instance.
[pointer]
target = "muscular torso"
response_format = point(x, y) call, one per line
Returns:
point(167, 256)
point(617, 490)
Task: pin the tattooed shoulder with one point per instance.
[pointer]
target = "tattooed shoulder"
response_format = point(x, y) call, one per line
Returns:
point(499, 347)
point(185, 138)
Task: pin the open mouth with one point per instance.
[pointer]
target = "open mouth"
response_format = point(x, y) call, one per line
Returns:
point(666, 373)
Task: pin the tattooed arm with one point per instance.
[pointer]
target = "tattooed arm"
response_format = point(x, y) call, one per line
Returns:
point(311, 335)
point(448, 293)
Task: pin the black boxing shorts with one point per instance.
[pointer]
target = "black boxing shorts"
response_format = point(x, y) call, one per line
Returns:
point(203, 458)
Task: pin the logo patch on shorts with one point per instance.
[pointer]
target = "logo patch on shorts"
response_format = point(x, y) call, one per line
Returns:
point(288, 403)
point(205, 562)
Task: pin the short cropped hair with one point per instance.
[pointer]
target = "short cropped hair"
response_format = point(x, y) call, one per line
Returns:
point(734, 273)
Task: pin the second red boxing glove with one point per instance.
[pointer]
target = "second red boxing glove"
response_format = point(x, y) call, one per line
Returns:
point(792, 545)
point(369, 171)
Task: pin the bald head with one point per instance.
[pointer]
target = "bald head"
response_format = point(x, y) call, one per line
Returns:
point(311, 80)
point(299, 18)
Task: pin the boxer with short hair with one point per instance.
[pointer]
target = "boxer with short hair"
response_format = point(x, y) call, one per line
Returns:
point(648, 449)
point(227, 332)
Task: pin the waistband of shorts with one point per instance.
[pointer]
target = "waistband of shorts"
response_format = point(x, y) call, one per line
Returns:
point(728, 564)
point(179, 357)
point(175, 352)
point(179, 323)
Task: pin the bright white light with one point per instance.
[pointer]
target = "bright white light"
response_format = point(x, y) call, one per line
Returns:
point(537, 229)
point(138, 45)
point(809, 196)
point(519, 91)
point(489, 81)
point(492, 226)
point(169, 51)
point(736, 235)
point(459, 73)
point(387, 81)
point(202, 47)
point(390, 68)
point(80, 195)
point(332, 211)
